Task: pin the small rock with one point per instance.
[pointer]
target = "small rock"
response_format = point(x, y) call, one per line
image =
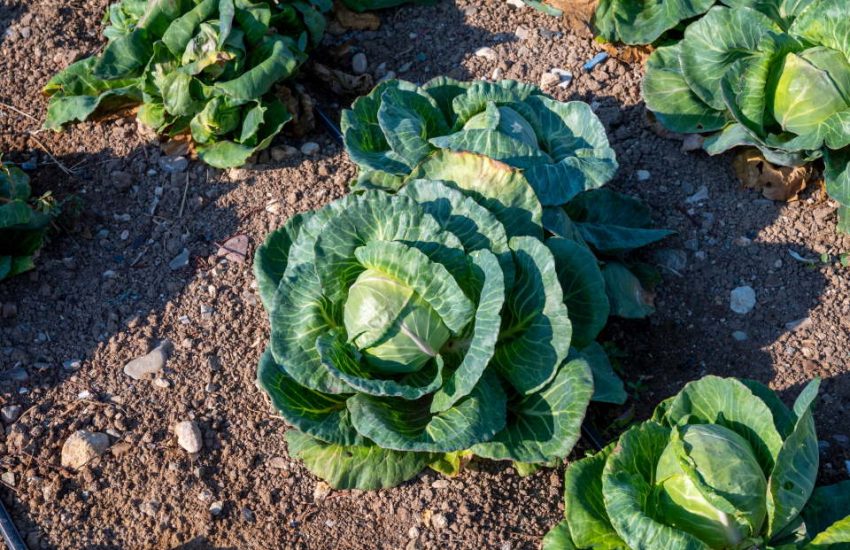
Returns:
point(247, 515)
point(284, 152)
point(359, 64)
point(439, 522)
point(742, 300)
point(278, 463)
point(842, 440)
point(742, 242)
point(161, 383)
point(149, 364)
point(10, 413)
point(82, 447)
point(413, 532)
point(565, 77)
point(311, 148)
point(547, 80)
point(180, 261)
point(8, 478)
point(440, 484)
point(173, 165)
point(739, 335)
point(847, 466)
point(189, 436)
point(522, 33)
point(321, 491)
point(643, 175)
point(672, 259)
point(216, 507)
point(692, 142)
point(122, 180)
point(792, 326)
point(487, 53)
point(235, 249)
point(517, 4)
point(16, 374)
point(699, 196)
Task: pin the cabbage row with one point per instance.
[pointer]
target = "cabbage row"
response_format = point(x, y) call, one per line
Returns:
point(439, 318)
point(23, 222)
point(201, 67)
point(722, 465)
point(647, 21)
point(769, 74)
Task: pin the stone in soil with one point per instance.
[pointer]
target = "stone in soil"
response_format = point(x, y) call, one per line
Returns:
point(180, 261)
point(82, 447)
point(311, 148)
point(742, 300)
point(235, 249)
point(10, 413)
point(150, 364)
point(189, 436)
point(359, 64)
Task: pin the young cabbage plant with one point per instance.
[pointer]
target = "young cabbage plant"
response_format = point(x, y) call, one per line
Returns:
point(723, 465)
point(747, 80)
point(205, 68)
point(561, 150)
point(412, 328)
point(23, 222)
point(647, 21)
point(561, 147)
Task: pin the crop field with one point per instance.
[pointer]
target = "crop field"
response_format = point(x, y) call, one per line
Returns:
point(372, 274)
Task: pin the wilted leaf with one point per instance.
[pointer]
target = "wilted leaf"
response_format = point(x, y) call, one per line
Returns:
point(628, 54)
point(180, 145)
point(778, 183)
point(342, 83)
point(350, 20)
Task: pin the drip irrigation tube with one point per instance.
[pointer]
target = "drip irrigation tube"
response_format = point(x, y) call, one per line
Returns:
point(9, 532)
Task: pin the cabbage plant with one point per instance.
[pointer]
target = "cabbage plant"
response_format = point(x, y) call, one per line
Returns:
point(407, 328)
point(23, 222)
point(646, 21)
point(722, 465)
point(206, 68)
point(561, 147)
point(398, 133)
point(747, 80)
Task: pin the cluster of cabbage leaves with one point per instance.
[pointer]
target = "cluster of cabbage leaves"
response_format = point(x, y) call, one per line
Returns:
point(646, 21)
point(23, 224)
point(438, 317)
point(722, 465)
point(560, 147)
point(749, 79)
point(204, 67)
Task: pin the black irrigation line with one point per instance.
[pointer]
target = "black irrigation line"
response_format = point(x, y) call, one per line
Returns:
point(9, 532)
point(590, 434)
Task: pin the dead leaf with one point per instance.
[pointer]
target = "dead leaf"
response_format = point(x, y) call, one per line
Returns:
point(342, 83)
point(628, 54)
point(180, 145)
point(300, 105)
point(350, 20)
point(778, 183)
point(578, 10)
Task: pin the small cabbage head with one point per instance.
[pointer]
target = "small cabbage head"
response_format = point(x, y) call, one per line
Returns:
point(704, 470)
point(405, 327)
point(723, 465)
point(812, 86)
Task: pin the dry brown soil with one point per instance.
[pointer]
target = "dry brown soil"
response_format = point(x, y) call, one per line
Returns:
point(103, 294)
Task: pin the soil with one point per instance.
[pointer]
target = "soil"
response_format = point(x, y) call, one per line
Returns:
point(104, 294)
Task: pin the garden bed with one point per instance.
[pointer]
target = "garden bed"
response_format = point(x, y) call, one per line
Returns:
point(114, 287)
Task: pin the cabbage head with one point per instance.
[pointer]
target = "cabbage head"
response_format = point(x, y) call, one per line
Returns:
point(561, 148)
point(408, 328)
point(722, 465)
point(748, 79)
